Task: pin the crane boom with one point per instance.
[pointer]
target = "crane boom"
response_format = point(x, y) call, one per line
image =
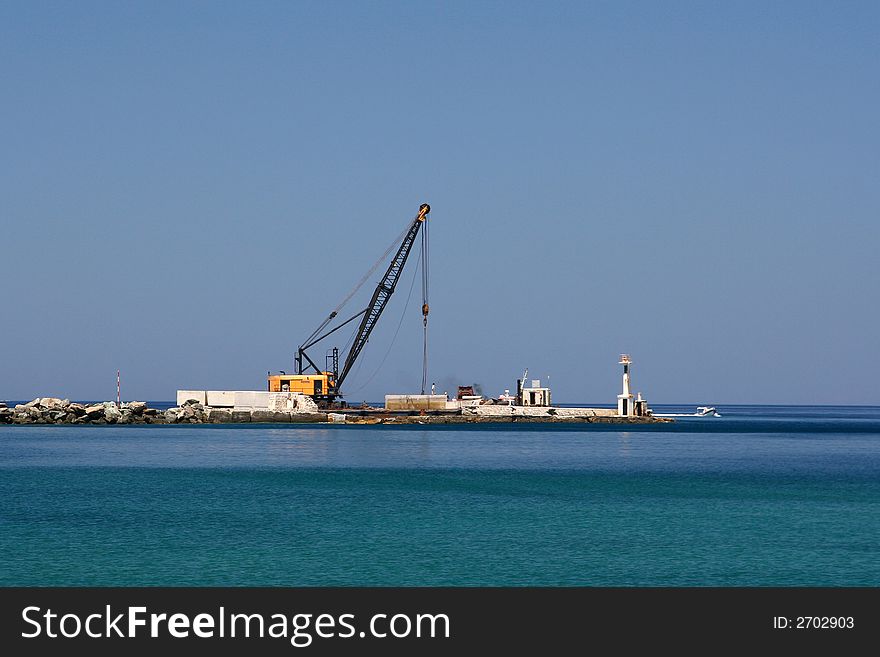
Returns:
point(323, 384)
point(382, 293)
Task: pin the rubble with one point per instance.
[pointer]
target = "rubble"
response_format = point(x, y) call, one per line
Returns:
point(51, 410)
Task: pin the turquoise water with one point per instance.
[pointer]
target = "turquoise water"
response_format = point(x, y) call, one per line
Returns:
point(761, 496)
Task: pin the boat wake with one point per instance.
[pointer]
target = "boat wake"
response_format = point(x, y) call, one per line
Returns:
point(702, 411)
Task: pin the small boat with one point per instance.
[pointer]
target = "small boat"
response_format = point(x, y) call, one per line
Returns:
point(702, 411)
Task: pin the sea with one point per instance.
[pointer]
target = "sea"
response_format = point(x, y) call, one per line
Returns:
point(761, 496)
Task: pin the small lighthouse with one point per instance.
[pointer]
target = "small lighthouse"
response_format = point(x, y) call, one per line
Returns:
point(626, 405)
point(625, 398)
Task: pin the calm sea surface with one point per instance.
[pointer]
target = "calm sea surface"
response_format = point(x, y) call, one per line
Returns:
point(761, 496)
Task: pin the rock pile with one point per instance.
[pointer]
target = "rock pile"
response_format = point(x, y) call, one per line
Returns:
point(190, 412)
point(51, 410)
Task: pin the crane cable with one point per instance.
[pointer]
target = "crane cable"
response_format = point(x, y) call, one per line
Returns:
point(425, 306)
point(383, 258)
point(423, 260)
point(412, 286)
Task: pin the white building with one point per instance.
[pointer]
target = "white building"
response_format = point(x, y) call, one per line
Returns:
point(536, 395)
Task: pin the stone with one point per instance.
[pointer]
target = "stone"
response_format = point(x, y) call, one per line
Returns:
point(111, 412)
point(94, 411)
point(219, 415)
point(50, 402)
point(171, 415)
point(308, 417)
point(77, 409)
point(241, 416)
point(260, 415)
point(280, 401)
point(3, 405)
point(304, 403)
point(137, 407)
point(35, 402)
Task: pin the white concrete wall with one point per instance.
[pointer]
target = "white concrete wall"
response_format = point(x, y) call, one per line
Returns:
point(221, 398)
point(291, 401)
point(500, 410)
point(542, 396)
point(186, 395)
point(252, 399)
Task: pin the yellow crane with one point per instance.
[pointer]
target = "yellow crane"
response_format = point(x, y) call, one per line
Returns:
point(324, 385)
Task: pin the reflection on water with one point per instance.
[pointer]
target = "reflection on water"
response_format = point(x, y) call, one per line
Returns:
point(624, 443)
point(758, 444)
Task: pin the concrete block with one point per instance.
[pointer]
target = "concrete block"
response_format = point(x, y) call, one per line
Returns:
point(186, 395)
point(252, 399)
point(308, 417)
point(220, 398)
point(261, 415)
point(415, 402)
point(281, 401)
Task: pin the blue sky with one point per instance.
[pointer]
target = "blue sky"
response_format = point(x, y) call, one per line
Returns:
point(187, 188)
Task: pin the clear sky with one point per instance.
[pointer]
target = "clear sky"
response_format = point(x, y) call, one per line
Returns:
point(187, 189)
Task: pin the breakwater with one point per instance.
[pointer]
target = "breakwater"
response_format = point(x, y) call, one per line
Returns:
point(52, 410)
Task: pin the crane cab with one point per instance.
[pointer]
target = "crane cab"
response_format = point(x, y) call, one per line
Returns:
point(313, 385)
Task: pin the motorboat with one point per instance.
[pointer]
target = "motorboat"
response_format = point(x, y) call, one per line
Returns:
point(702, 411)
